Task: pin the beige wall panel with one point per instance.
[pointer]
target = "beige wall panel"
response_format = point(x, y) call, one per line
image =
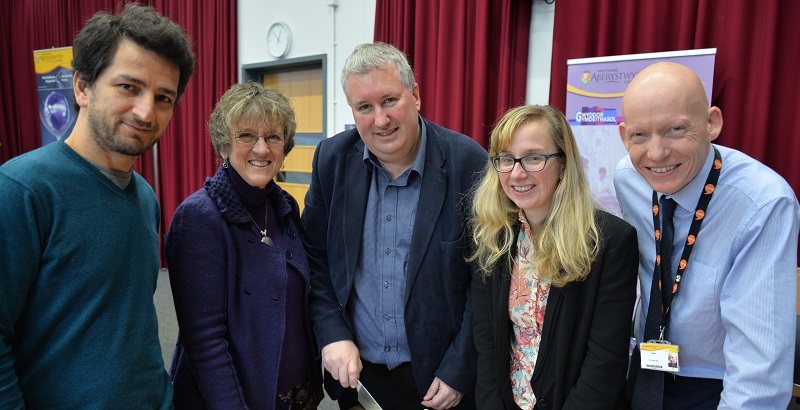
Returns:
point(299, 160)
point(298, 191)
point(304, 88)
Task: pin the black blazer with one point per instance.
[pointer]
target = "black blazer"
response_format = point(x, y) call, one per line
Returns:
point(438, 311)
point(583, 355)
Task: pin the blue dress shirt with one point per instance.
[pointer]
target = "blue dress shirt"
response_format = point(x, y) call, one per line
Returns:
point(378, 302)
point(734, 314)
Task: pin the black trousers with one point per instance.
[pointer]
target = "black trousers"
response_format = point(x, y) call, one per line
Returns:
point(394, 389)
point(691, 393)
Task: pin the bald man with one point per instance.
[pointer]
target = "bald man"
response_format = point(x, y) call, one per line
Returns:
point(730, 297)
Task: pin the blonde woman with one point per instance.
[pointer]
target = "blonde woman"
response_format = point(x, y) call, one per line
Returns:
point(554, 277)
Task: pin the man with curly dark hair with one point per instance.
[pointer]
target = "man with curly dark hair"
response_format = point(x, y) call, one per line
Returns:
point(78, 327)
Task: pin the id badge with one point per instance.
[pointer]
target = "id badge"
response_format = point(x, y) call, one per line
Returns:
point(660, 355)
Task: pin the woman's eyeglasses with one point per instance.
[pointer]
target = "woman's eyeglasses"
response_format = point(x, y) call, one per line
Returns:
point(250, 139)
point(529, 163)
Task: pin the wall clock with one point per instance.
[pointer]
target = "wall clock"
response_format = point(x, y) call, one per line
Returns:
point(279, 39)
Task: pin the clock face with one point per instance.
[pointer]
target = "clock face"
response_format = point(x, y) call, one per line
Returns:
point(279, 39)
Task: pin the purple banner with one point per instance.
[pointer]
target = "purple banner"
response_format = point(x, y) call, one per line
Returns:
point(594, 108)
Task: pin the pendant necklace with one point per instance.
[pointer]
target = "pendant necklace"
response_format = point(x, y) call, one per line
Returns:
point(264, 238)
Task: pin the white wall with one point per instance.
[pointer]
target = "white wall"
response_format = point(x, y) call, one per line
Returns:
point(540, 53)
point(318, 28)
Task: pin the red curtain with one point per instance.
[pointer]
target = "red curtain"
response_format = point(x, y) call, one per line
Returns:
point(185, 156)
point(25, 26)
point(755, 79)
point(470, 58)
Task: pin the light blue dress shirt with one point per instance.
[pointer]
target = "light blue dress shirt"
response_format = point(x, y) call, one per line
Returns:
point(735, 311)
point(378, 302)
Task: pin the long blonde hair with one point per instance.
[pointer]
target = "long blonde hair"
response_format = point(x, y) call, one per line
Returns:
point(567, 242)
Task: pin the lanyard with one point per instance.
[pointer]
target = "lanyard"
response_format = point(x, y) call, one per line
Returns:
point(691, 239)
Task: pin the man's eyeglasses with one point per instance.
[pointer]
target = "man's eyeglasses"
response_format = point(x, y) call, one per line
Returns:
point(530, 163)
point(249, 139)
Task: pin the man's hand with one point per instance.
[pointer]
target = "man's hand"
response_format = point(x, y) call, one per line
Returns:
point(342, 361)
point(441, 396)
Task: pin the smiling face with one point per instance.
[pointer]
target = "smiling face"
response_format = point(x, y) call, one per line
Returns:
point(668, 126)
point(257, 164)
point(532, 191)
point(386, 114)
point(128, 107)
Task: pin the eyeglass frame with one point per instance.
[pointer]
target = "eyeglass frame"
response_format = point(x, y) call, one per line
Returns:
point(238, 135)
point(496, 166)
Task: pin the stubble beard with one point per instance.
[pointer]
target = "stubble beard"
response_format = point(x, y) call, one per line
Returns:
point(106, 137)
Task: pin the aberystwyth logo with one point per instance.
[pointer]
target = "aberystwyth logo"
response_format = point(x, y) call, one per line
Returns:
point(610, 75)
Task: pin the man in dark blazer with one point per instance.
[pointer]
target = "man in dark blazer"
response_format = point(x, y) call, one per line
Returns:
point(384, 224)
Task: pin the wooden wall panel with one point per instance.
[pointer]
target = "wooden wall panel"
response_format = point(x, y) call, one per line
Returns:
point(304, 88)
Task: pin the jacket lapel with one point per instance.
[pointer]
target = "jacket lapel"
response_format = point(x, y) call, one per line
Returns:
point(554, 301)
point(357, 179)
point(431, 201)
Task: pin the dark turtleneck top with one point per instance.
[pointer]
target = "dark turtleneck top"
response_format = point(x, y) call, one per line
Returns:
point(294, 360)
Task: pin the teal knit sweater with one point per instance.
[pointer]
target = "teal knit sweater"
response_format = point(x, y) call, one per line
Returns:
point(78, 268)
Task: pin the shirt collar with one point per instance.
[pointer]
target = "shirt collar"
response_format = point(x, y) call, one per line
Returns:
point(419, 163)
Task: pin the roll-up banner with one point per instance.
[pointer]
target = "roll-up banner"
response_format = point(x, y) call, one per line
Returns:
point(594, 108)
point(54, 84)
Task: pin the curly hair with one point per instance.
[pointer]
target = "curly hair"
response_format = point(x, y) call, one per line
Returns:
point(567, 242)
point(95, 45)
point(250, 103)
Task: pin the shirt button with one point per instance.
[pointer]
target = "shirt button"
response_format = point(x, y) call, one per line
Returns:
point(288, 254)
point(386, 284)
point(389, 217)
point(387, 349)
point(388, 251)
point(386, 317)
point(291, 233)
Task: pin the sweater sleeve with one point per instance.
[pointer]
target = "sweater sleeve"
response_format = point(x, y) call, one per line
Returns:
point(21, 249)
point(197, 272)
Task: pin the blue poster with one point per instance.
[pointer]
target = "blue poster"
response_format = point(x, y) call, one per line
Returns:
point(54, 85)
